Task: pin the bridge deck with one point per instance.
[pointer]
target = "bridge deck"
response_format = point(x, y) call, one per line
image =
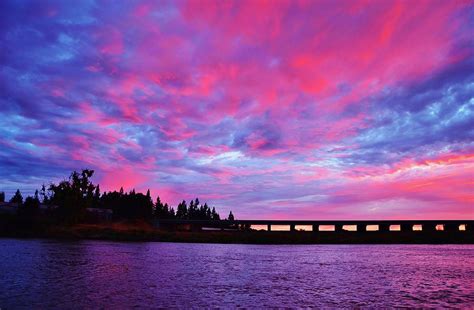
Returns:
point(383, 225)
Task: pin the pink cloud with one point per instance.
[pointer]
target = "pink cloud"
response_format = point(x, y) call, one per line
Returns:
point(280, 108)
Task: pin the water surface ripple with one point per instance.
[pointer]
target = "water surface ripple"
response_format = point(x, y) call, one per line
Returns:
point(98, 274)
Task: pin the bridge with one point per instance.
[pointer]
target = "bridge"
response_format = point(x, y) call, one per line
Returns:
point(316, 226)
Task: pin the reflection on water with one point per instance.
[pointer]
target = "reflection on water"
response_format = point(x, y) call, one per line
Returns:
point(94, 274)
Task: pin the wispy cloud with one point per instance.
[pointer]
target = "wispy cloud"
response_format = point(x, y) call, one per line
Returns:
point(271, 109)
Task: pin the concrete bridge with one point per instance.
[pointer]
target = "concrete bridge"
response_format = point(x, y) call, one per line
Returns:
point(368, 226)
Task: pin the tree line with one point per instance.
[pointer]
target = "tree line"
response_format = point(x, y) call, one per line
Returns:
point(71, 198)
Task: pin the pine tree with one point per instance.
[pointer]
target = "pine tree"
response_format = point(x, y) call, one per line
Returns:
point(17, 198)
point(96, 198)
point(172, 214)
point(182, 212)
point(97, 192)
point(44, 195)
point(215, 215)
point(160, 211)
point(208, 212)
point(191, 210)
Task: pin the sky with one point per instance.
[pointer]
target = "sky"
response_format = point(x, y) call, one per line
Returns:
point(272, 109)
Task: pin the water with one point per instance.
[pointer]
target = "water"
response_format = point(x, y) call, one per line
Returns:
point(96, 274)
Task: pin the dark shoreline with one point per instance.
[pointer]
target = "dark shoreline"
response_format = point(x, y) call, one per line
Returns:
point(145, 233)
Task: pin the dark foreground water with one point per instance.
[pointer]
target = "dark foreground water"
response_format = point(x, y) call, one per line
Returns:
point(38, 274)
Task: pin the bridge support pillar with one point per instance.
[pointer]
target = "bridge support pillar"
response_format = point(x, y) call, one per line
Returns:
point(269, 227)
point(292, 227)
point(361, 228)
point(469, 227)
point(338, 227)
point(451, 227)
point(384, 227)
point(315, 228)
point(406, 227)
point(428, 227)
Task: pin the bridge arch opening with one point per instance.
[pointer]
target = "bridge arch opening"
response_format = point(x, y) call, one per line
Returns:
point(327, 228)
point(259, 227)
point(372, 228)
point(349, 227)
point(304, 227)
point(417, 227)
point(395, 228)
point(280, 227)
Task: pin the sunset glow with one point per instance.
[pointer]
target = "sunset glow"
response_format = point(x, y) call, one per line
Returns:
point(271, 109)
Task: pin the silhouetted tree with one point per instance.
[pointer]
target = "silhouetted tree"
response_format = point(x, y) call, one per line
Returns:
point(208, 212)
point(215, 215)
point(96, 198)
point(17, 198)
point(44, 195)
point(74, 196)
point(191, 211)
point(231, 216)
point(115, 201)
point(163, 211)
point(182, 211)
point(159, 208)
point(131, 205)
point(31, 206)
point(171, 211)
point(2, 197)
point(36, 197)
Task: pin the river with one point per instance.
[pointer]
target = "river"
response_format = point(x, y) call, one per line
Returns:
point(43, 274)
